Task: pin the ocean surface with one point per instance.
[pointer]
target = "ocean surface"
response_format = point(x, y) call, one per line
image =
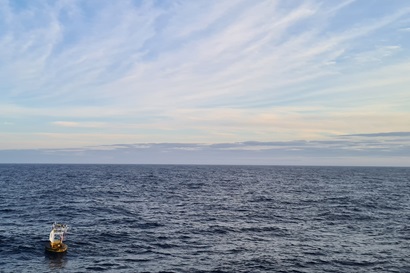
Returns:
point(163, 218)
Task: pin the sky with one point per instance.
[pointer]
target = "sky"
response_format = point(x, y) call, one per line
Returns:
point(205, 82)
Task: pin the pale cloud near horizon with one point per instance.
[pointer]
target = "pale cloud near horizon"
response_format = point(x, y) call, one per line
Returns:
point(78, 124)
point(359, 150)
point(74, 73)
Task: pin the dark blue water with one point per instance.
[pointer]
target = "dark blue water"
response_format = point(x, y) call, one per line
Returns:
point(127, 218)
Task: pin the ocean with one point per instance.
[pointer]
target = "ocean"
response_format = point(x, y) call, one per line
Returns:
point(187, 218)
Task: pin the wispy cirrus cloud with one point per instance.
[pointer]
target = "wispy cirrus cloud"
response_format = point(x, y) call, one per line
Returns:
point(201, 72)
point(236, 48)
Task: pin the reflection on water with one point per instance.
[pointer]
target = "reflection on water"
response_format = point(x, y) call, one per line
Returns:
point(55, 260)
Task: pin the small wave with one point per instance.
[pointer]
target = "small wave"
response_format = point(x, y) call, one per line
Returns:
point(96, 268)
point(273, 230)
point(357, 263)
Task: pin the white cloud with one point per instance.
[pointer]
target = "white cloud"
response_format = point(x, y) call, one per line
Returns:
point(79, 124)
point(405, 29)
point(378, 54)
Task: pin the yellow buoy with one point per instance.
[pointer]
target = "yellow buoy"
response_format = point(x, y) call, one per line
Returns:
point(56, 239)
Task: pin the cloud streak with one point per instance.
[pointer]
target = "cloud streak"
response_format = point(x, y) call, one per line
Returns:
point(389, 134)
point(329, 152)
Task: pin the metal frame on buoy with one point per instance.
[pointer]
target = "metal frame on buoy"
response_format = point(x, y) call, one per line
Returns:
point(57, 234)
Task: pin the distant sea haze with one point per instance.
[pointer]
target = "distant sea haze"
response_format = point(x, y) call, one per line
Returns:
point(186, 218)
point(345, 150)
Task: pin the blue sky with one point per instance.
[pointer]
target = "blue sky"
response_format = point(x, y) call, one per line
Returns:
point(224, 82)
